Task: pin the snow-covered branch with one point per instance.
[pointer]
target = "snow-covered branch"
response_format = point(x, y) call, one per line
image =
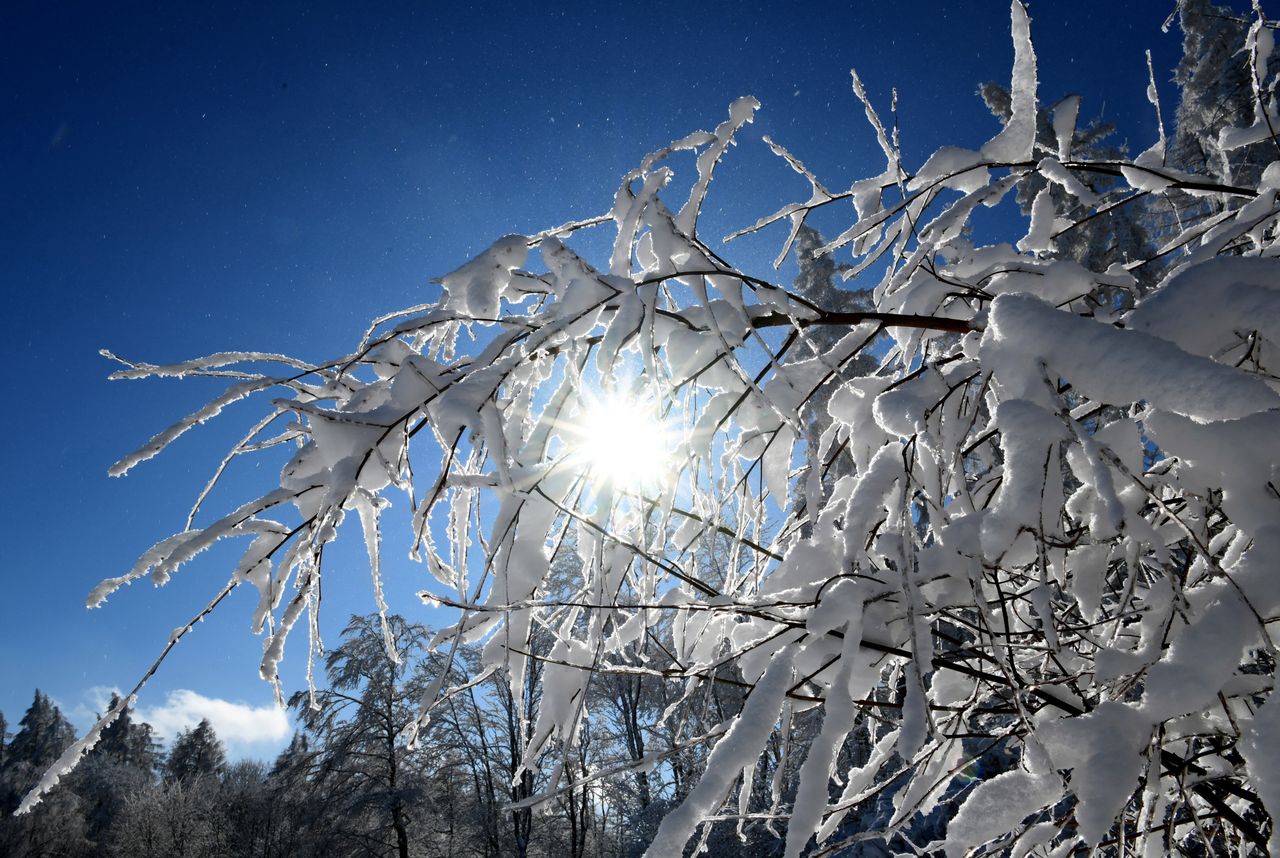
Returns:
point(1018, 508)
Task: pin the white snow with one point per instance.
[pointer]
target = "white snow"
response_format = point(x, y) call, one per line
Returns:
point(739, 747)
point(1014, 143)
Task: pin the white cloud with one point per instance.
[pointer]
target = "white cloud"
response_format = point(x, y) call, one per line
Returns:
point(247, 731)
point(237, 724)
point(94, 703)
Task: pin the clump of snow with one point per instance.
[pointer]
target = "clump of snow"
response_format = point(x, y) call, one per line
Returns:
point(1015, 142)
point(1260, 747)
point(739, 747)
point(476, 288)
point(996, 806)
point(1104, 751)
point(1111, 365)
point(1207, 308)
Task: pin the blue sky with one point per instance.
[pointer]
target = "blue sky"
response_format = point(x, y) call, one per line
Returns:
point(180, 180)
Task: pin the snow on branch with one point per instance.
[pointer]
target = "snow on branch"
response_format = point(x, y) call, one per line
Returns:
point(1016, 508)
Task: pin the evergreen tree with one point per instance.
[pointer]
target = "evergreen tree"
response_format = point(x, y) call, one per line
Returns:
point(1215, 86)
point(57, 826)
point(1123, 234)
point(195, 753)
point(819, 279)
point(128, 742)
point(43, 734)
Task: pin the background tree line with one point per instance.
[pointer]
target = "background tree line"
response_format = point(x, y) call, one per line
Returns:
point(351, 783)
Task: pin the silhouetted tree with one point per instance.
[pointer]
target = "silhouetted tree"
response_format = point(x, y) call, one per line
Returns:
point(196, 752)
point(372, 785)
point(57, 827)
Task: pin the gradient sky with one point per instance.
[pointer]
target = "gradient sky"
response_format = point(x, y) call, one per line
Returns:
point(177, 180)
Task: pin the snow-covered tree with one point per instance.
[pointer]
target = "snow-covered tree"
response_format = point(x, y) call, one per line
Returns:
point(175, 819)
point(123, 764)
point(1019, 515)
point(1226, 83)
point(366, 775)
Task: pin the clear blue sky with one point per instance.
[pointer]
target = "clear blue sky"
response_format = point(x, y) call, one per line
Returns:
point(177, 181)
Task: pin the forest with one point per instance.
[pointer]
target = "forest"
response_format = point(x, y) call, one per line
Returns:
point(347, 785)
point(962, 541)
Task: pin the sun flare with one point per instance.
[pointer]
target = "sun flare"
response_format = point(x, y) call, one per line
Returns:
point(624, 441)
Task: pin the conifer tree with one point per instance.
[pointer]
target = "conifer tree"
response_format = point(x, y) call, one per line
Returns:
point(128, 742)
point(123, 763)
point(57, 828)
point(1216, 90)
point(43, 734)
point(196, 752)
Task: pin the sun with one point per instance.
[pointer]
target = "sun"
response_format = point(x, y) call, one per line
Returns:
point(624, 440)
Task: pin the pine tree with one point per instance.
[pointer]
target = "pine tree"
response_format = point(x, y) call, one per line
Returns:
point(43, 734)
point(56, 827)
point(128, 742)
point(817, 281)
point(1123, 234)
point(197, 752)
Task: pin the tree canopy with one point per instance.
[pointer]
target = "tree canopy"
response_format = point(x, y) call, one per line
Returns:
point(999, 503)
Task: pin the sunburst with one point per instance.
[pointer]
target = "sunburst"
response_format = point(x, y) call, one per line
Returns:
point(625, 441)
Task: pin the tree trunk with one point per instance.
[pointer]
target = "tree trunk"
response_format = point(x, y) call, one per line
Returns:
point(402, 833)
